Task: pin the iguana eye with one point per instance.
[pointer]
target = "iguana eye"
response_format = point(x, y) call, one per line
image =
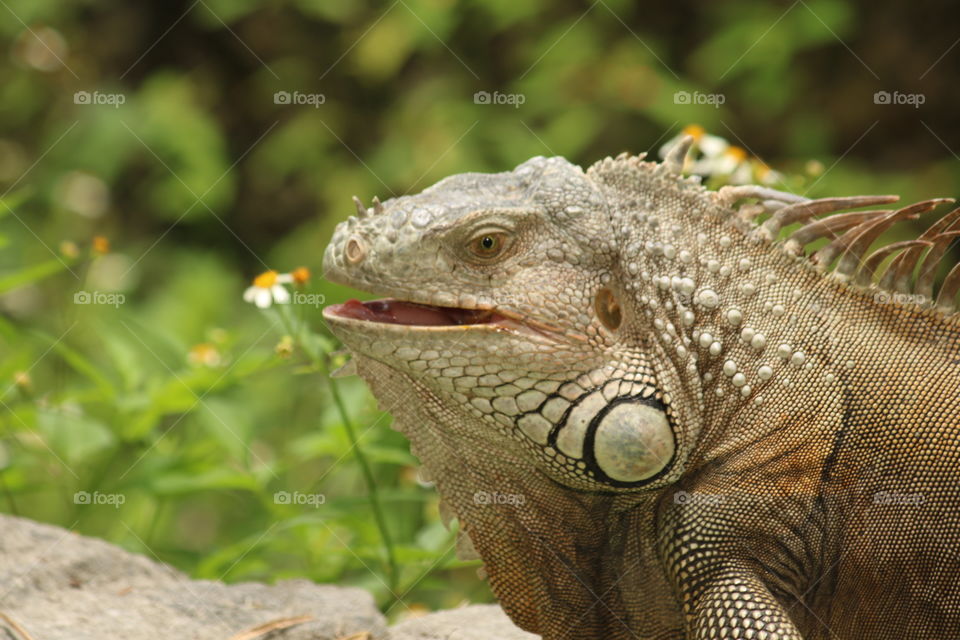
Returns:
point(488, 244)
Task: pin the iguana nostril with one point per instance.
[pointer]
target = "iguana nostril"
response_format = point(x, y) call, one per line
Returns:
point(356, 250)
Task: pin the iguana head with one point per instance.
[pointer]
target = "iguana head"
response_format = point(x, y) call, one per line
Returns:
point(506, 308)
point(513, 352)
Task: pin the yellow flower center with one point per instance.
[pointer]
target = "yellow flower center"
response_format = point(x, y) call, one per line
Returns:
point(694, 130)
point(69, 249)
point(205, 354)
point(301, 275)
point(101, 245)
point(266, 279)
point(736, 153)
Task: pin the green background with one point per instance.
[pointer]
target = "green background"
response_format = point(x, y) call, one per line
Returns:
point(201, 180)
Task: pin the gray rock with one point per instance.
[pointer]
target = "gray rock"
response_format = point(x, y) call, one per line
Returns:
point(477, 622)
point(58, 585)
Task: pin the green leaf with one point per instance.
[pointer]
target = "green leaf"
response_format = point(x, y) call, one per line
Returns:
point(12, 201)
point(80, 364)
point(127, 359)
point(175, 126)
point(228, 424)
point(185, 482)
point(74, 436)
point(31, 274)
point(389, 455)
point(415, 555)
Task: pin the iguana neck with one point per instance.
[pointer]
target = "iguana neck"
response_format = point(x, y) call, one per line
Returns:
point(757, 337)
point(748, 331)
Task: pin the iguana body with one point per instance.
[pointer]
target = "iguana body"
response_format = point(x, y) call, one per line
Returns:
point(654, 418)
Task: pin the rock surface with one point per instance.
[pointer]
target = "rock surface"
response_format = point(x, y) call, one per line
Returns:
point(478, 622)
point(57, 585)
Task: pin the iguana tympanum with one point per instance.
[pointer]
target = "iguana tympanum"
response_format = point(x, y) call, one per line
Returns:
point(655, 415)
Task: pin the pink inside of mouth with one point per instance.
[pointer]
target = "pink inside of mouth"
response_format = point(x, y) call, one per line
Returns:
point(391, 311)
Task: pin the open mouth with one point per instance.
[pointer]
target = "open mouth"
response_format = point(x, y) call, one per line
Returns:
point(427, 317)
point(390, 311)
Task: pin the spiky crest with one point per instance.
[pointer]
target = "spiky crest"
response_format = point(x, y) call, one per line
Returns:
point(846, 257)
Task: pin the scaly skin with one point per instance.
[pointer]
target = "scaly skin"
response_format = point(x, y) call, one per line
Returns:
point(687, 430)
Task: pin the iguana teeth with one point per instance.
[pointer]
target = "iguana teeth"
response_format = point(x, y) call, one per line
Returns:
point(348, 369)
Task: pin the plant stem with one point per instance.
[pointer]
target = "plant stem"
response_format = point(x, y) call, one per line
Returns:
point(9, 495)
point(371, 486)
point(372, 492)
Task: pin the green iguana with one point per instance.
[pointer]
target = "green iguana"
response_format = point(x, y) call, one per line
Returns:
point(655, 416)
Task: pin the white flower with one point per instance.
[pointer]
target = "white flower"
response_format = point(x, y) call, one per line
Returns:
point(712, 156)
point(768, 176)
point(712, 146)
point(267, 288)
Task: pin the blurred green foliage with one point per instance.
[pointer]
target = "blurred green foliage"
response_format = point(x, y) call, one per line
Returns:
point(165, 388)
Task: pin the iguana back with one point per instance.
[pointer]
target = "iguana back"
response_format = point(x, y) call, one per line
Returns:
point(656, 417)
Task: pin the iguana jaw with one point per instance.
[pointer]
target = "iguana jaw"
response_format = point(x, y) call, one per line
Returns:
point(402, 312)
point(412, 317)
